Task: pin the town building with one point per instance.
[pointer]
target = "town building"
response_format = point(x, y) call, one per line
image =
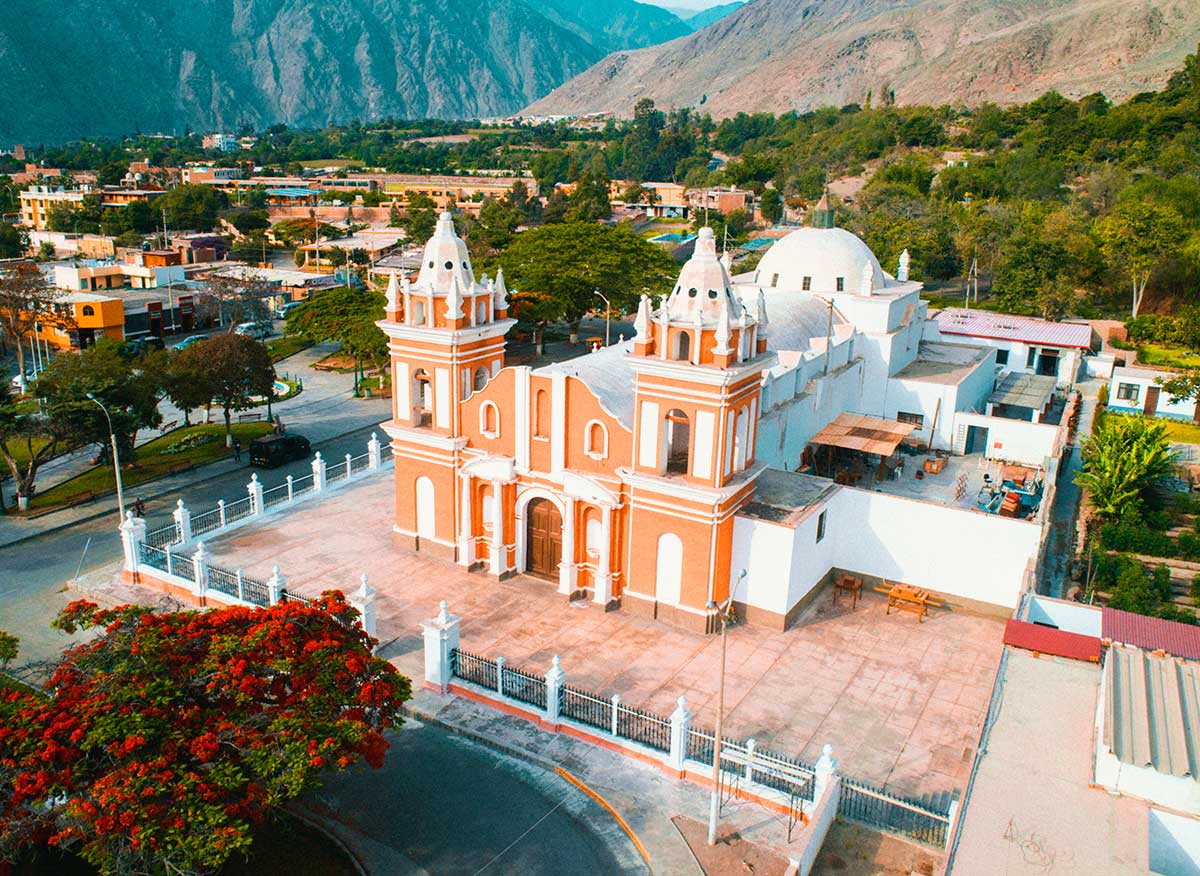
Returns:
point(89, 316)
point(376, 243)
point(195, 173)
point(37, 201)
point(221, 142)
point(721, 199)
point(1135, 390)
point(280, 286)
point(1023, 344)
point(751, 442)
point(90, 275)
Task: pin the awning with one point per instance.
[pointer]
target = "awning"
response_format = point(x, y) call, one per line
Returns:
point(1024, 391)
point(867, 434)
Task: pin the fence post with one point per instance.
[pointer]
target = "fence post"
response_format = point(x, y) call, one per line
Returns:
point(221, 512)
point(318, 467)
point(823, 772)
point(500, 676)
point(200, 569)
point(133, 536)
point(750, 746)
point(616, 710)
point(241, 586)
point(555, 679)
point(374, 452)
point(681, 727)
point(183, 521)
point(348, 464)
point(364, 601)
point(291, 488)
point(254, 488)
point(170, 559)
point(275, 585)
point(441, 637)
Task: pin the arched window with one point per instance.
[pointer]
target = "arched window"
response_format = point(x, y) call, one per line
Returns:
point(595, 440)
point(481, 377)
point(668, 569)
point(740, 437)
point(426, 519)
point(676, 439)
point(88, 310)
point(422, 399)
point(489, 420)
point(541, 414)
point(683, 346)
point(481, 311)
point(418, 312)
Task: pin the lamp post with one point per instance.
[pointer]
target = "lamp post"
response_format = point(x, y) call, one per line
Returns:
point(714, 803)
point(607, 313)
point(117, 459)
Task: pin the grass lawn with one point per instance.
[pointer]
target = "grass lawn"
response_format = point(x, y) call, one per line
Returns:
point(1182, 433)
point(152, 462)
point(20, 452)
point(288, 345)
point(1162, 356)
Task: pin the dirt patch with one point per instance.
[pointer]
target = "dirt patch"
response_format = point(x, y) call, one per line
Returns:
point(732, 855)
point(850, 850)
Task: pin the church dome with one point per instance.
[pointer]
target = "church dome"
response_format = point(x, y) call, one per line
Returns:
point(445, 259)
point(821, 256)
point(703, 287)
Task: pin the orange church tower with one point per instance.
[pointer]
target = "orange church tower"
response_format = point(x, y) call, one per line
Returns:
point(698, 364)
point(446, 339)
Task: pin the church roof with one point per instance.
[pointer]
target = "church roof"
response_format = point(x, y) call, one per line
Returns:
point(794, 319)
point(823, 255)
point(607, 374)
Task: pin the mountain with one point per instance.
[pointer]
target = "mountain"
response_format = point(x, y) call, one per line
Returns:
point(705, 17)
point(612, 25)
point(209, 65)
point(779, 55)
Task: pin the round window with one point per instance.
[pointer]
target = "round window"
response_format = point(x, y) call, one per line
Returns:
point(712, 293)
point(449, 265)
point(692, 292)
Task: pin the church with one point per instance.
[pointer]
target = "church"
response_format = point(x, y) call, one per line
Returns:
point(648, 476)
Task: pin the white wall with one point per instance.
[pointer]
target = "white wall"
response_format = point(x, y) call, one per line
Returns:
point(785, 428)
point(1069, 616)
point(1011, 440)
point(922, 397)
point(1184, 409)
point(1174, 844)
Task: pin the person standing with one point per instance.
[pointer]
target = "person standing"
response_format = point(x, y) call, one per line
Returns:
point(237, 450)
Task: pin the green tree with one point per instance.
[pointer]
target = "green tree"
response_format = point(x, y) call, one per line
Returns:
point(236, 371)
point(567, 263)
point(10, 647)
point(248, 221)
point(1137, 238)
point(346, 314)
point(193, 207)
point(27, 300)
point(771, 205)
point(1123, 459)
point(420, 217)
point(27, 440)
point(13, 241)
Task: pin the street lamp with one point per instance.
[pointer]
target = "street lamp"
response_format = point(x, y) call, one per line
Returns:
point(117, 461)
point(607, 313)
point(714, 803)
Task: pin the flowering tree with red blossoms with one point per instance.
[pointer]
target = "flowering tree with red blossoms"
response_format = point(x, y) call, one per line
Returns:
point(162, 742)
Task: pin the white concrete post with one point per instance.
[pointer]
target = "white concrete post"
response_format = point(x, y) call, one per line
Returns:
point(291, 484)
point(364, 601)
point(183, 521)
point(374, 452)
point(616, 710)
point(170, 559)
point(221, 512)
point(275, 586)
point(751, 744)
point(441, 636)
point(681, 726)
point(823, 772)
point(318, 468)
point(254, 488)
point(496, 554)
point(466, 538)
point(602, 594)
point(555, 679)
point(567, 569)
point(133, 536)
point(348, 464)
point(200, 568)
point(500, 675)
point(241, 586)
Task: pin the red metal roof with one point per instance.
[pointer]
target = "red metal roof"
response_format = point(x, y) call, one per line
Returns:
point(1151, 633)
point(1005, 327)
point(1048, 640)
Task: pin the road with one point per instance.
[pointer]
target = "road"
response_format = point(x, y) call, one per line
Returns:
point(444, 805)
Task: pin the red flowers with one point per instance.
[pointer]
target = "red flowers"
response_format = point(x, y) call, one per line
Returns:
point(218, 714)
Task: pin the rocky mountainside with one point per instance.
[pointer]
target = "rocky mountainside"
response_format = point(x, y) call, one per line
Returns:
point(779, 55)
point(150, 65)
point(705, 17)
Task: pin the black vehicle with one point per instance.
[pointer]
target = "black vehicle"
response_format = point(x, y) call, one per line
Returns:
point(136, 347)
point(271, 451)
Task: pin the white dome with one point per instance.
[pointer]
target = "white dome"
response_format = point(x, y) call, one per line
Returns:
point(702, 285)
point(445, 258)
point(822, 255)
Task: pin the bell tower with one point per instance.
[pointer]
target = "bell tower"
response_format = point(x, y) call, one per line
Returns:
point(698, 362)
point(446, 339)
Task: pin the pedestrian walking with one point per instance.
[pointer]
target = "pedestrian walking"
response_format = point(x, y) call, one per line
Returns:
point(139, 507)
point(237, 450)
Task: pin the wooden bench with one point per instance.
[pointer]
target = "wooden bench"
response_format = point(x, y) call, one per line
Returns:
point(903, 597)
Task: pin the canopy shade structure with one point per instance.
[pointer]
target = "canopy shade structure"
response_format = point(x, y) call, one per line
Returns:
point(1024, 391)
point(866, 434)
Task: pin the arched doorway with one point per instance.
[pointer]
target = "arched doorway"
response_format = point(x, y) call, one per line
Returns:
point(543, 538)
point(426, 519)
point(668, 569)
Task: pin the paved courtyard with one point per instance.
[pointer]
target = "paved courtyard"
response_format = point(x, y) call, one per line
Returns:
point(902, 702)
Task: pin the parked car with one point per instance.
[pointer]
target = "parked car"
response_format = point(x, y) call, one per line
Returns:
point(271, 451)
point(135, 347)
point(30, 377)
point(188, 341)
point(256, 330)
point(282, 312)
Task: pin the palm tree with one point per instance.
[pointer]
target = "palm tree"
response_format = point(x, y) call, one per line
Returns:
point(1122, 459)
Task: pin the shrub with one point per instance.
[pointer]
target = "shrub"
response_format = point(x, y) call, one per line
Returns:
point(1188, 546)
point(1161, 580)
point(1102, 400)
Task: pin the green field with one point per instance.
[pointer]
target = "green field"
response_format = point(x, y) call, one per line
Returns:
point(1163, 356)
point(288, 345)
point(153, 460)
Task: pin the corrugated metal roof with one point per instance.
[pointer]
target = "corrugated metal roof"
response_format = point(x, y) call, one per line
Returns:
point(1152, 711)
point(1024, 391)
point(1003, 326)
point(1152, 633)
point(1048, 640)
